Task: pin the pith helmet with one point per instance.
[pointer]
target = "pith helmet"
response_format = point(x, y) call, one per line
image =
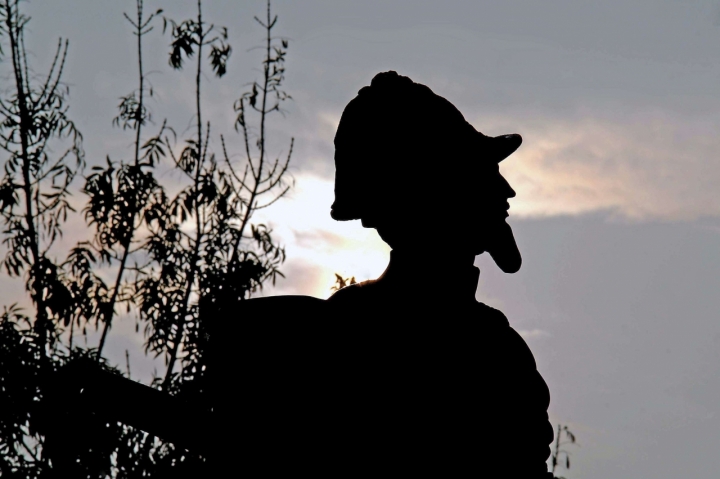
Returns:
point(396, 137)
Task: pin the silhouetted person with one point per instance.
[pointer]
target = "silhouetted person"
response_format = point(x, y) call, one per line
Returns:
point(407, 375)
point(403, 376)
point(456, 387)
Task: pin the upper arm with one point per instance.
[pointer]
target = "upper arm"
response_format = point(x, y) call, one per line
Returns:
point(525, 397)
point(521, 350)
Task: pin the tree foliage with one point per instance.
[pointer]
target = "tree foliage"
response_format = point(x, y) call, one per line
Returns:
point(173, 259)
point(341, 282)
point(119, 192)
point(34, 204)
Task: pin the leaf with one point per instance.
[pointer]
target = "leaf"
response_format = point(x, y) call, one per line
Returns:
point(254, 95)
point(218, 58)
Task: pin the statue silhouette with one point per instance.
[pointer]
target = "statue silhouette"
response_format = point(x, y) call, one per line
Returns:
point(403, 375)
point(460, 388)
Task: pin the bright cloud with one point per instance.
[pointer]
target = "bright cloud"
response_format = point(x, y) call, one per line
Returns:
point(317, 246)
point(644, 168)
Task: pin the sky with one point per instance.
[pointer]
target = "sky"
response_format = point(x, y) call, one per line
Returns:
point(616, 214)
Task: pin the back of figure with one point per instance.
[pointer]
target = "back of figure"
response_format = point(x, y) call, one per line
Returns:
point(453, 387)
point(431, 389)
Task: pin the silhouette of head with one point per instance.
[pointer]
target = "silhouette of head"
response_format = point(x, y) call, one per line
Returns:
point(409, 164)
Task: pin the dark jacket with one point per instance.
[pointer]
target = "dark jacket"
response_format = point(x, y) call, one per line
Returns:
point(369, 383)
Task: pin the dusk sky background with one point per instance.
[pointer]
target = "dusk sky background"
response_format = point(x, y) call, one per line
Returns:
point(617, 212)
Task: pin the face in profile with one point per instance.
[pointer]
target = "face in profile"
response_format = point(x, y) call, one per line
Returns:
point(489, 230)
point(470, 219)
point(409, 165)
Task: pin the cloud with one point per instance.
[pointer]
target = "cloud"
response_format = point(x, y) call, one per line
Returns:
point(318, 237)
point(316, 245)
point(648, 165)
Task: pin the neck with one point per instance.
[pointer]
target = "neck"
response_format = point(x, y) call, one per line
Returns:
point(449, 274)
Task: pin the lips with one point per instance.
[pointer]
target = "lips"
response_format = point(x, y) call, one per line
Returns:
point(498, 211)
point(500, 214)
point(505, 212)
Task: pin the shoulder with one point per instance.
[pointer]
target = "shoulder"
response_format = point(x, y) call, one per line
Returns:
point(274, 309)
point(353, 294)
point(514, 346)
point(491, 316)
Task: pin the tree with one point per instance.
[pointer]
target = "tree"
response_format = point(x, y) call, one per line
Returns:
point(34, 191)
point(34, 204)
point(223, 248)
point(174, 258)
point(118, 193)
point(203, 247)
point(558, 452)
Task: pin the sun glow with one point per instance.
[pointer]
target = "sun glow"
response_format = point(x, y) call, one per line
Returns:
point(317, 246)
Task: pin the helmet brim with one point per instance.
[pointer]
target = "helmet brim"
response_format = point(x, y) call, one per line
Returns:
point(499, 147)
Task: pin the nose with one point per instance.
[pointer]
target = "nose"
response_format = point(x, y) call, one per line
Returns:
point(507, 189)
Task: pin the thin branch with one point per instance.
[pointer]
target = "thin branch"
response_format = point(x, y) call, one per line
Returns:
point(51, 94)
point(280, 195)
point(48, 80)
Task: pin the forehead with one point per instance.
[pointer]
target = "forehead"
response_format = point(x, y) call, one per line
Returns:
point(489, 168)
